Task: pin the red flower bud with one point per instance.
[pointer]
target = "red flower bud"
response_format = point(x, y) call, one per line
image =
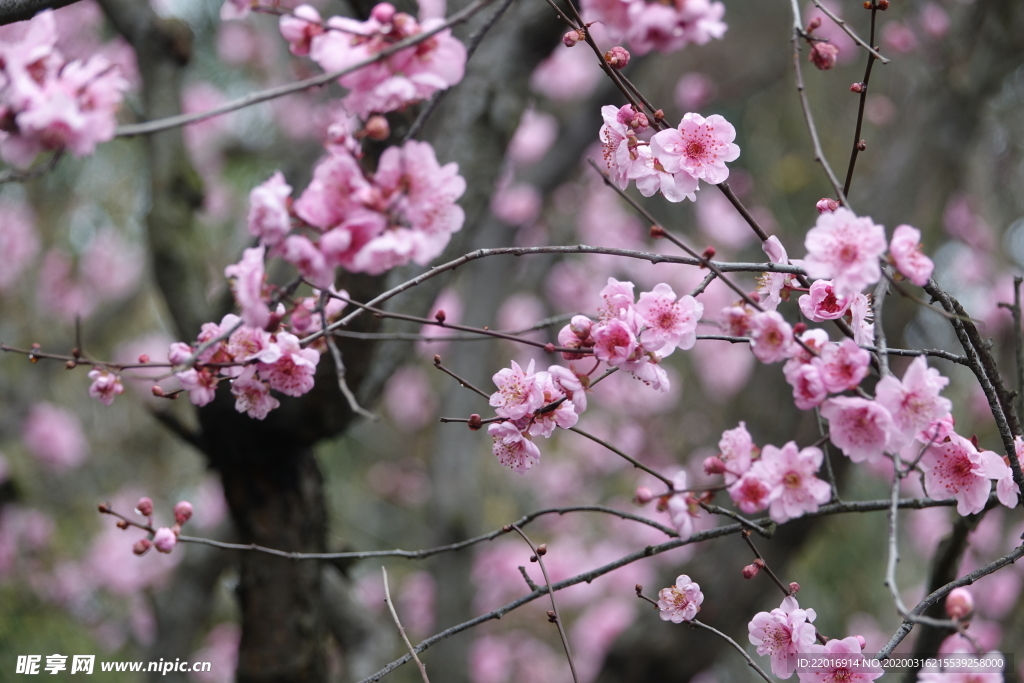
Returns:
point(857, 87)
point(714, 465)
point(440, 316)
point(794, 588)
point(823, 55)
point(571, 38)
point(141, 546)
point(144, 507)
point(750, 571)
point(617, 57)
point(183, 512)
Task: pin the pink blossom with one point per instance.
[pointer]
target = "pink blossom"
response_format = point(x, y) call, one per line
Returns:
point(513, 449)
point(651, 177)
point(959, 603)
point(516, 204)
point(252, 396)
point(201, 385)
point(826, 205)
point(823, 55)
point(519, 393)
point(618, 299)
point(693, 91)
point(1007, 489)
point(669, 324)
point(736, 321)
point(178, 353)
point(736, 447)
point(329, 199)
point(956, 468)
point(905, 249)
point(750, 492)
point(248, 343)
point(54, 436)
point(699, 148)
point(247, 286)
point(111, 266)
point(409, 398)
point(235, 9)
point(821, 302)
point(19, 242)
point(681, 508)
point(614, 341)
point(304, 255)
point(105, 385)
point(782, 634)
point(668, 28)
point(164, 540)
point(790, 474)
point(771, 285)
point(860, 315)
point(844, 663)
point(771, 337)
point(843, 366)
point(182, 512)
point(858, 427)
point(680, 602)
point(808, 386)
point(571, 384)
point(299, 28)
point(619, 148)
point(269, 218)
point(846, 249)
point(292, 371)
point(914, 402)
point(564, 416)
point(536, 133)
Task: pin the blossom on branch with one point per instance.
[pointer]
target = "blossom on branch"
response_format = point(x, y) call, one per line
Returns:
point(680, 602)
point(845, 249)
point(841, 662)
point(906, 255)
point(782, 634)
point(957, 468)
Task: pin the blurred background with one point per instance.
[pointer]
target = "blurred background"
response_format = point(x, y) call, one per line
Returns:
point(133, 242)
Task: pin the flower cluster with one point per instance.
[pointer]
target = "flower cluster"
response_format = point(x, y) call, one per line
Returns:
point(532, 404)
point(363, 222)
point(49, 103)
point(780, 480)
point(674, 160)
point(636, 335)
point(407, 76)
point(662, 26)
point(165, 538)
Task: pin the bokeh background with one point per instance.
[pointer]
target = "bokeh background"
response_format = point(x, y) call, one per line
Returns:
point(133, 241)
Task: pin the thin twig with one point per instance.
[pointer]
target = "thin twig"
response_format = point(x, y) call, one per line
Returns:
point(339, 366)
point(464, 382)
point(539, 555)
point(708, 279)
point(863, 100)
point(37, 171)
point(716, 510)
point(750, 662)
point(398, 623)
point(633, 461)
point(778, 582)
point(747, 216)
point(291, 88)
point(526, 577)
point(877, 302)
point(857, 39)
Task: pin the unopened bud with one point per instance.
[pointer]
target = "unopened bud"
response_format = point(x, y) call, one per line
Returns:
point(959, 603)
point(580, 326)
point(750, 571)
point(383, 12)
point(475, 423)
point(103, 507)
point(799, 328)
point(549, 347)
point(571, 38)
point(823, 55)
point(552, 617)
point(862, 145)
point(826, 205)
point(644, 495)
point(657, 232)
point(659, 115)
point(440, 316)
point(164, 540)
point(815, 23)
point(70, 365)
point(617, 57)
point(377, 128)
point(759, 563)
point(121, 524)
point(158, 391)
point(143, 358)
point(857, 87)
point(708, 254)
point(639, 588)
point(542, 549)
point(794, 588)
point(867, 4)
point(861, 641)
point(437, 359)
point(714, 465)
point(883, 5)
point(144, 507)
point(141, 546)
point(507, 528)
point(183, 512)
point(533, 558)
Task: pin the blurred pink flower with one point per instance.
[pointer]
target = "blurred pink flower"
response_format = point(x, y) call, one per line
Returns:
point(409, 398)
point(19, 242)
point(54, 436)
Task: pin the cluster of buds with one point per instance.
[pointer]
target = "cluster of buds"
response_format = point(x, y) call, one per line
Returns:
point(165, 538)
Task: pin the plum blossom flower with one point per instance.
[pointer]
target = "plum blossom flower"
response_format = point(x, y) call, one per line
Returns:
point(846, 249)
point(823, 55)
point(750, 492)
point(782, 634)
point(299, 28)
point(299, 251)
point(563, 416)
point(808, 386)
point(247, 286)
point(843, 365)
point(519, 394)
point(619, 148)
point(905, 250)
point(735, 321)
point(735, 446)
point(680, 602)
point(571, 384)
point(790, 475)
point(252, 396)
point(105, 385)
point(844, 663)
point(699, 148)
point(858, 427)
point(1006, 488)
point(771, 337)
point(269, 219)
point(821, 303)
point(670, 324)
point(956, 468)
point(291, 372)
point(614, 342)
point(914, 402)
point(860, 317)
point(201, 385)
point(772, 284)
point(512, 448)
point(19, 242)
